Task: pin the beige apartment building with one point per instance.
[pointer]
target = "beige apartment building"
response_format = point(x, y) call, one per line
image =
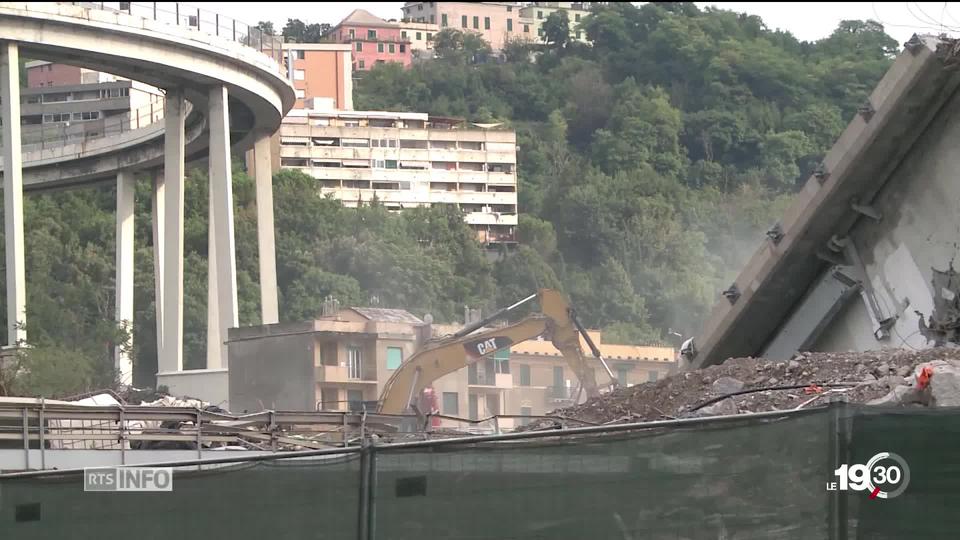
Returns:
point(406, 160)
point(497, 22)
point(538, 12)
point(420, 35)
point(342, 360)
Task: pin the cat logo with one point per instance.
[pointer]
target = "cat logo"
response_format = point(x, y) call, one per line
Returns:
point(487, 346)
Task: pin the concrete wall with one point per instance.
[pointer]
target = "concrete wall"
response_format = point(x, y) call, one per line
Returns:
point(209, 385)
point(272, 371)
point(919, 231)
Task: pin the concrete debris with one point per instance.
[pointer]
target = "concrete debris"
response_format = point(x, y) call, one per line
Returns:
point(886, 377)
point(943, 325)
point(945, 383)
point(727, 385)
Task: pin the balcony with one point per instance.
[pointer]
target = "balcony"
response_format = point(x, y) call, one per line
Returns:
point(343, 374)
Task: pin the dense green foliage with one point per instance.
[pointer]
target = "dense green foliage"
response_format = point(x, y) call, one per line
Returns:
point(650, 164)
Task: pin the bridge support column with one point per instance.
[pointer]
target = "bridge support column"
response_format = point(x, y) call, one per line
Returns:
point(222, 277)
point(266, 246)
point(174, 114)
point(158, 209)
point(16, 291)
point(126, 185)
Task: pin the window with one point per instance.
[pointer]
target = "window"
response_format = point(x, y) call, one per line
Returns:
point(354, 363)
point(394, 357)
point(540, 31)
point(300, 55)
point(443, 20)
point(526, 29)
point(509, 25)
point(463, 21)
point(403, 49)
point(352, 33)
point(404, 34)
point(329, 400)
point(451, 403)
point(301, 93)
point(476, 22)
point(433, 19)
point(539, 14)
point(299, 74)
point(371, 34)
point(525, 411)
point(64, 117)
point(379, 47)
point(362, 65)
point(419, 7)
point(509, 9)
point(474, 412)
point(652, 376)
point(578, 34)
point(392, 48)
point(418, 36)
point(576, 17)
point(486, 23)
point(355, 400)
point(391, 164)
point(359, 46)
point(501, 361)
point(524, 375)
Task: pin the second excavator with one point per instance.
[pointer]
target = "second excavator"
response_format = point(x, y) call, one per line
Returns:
point(556, 321)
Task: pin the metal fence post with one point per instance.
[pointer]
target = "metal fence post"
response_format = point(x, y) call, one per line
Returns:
point(216, 18)
point(372, 493)
point(154, 11)
point(176, 11)
point(363, 524)
point(234, 21)
point(198, 18)
point(839, 453)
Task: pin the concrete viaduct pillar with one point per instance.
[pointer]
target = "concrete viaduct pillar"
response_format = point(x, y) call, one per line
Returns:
point(126, 186)
point(171, 358)
point(222, 266)
point(266, 245)
point(16, 291)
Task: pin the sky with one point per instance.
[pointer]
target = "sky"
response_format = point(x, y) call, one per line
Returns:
point(805, 20)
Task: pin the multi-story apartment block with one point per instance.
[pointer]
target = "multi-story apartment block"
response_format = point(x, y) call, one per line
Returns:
point(372, 39)
point(538, 12)
point(420, 35)
point(409, 159)
point(321, 70)
point(66, 102)
point(497, 22)
point(342, 361)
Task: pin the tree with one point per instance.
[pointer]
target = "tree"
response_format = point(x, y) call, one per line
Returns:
point(296, 31)
point(265, 27)
point(556, 29)
point(460, 47)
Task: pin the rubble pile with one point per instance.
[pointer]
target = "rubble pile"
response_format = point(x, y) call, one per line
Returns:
point(929, 377)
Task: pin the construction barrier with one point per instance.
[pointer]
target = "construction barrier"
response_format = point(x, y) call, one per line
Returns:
point(763, 476)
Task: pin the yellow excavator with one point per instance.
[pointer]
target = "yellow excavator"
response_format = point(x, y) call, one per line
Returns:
point(556, 321)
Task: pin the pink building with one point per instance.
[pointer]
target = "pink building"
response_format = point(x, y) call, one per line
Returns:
point(497, 22)
point(372, 40)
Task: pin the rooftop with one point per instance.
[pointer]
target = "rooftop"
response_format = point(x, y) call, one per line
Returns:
point(543, 347)
point(362, 17)
point(388, 315)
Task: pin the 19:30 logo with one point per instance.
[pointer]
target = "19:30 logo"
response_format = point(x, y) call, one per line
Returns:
point(885, 476)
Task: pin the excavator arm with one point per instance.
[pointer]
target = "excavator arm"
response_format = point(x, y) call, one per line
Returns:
point(450, 354)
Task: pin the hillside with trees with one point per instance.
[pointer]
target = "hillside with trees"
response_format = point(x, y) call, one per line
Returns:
point(650, 163)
